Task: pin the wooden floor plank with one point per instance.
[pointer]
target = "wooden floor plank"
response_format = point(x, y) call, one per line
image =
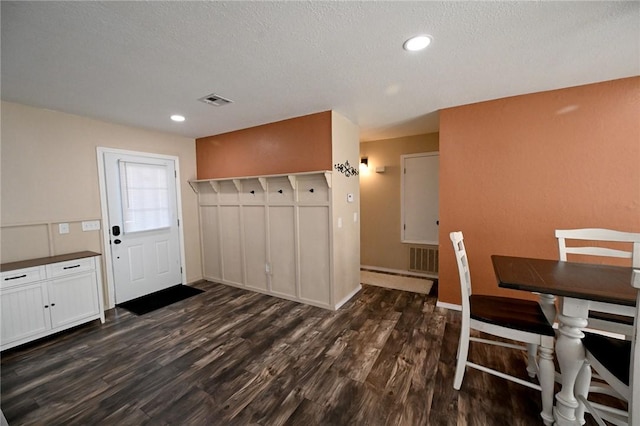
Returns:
point(229, 356)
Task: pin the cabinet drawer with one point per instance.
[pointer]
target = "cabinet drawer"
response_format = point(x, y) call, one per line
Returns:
point(22, 276)
point(70, 267)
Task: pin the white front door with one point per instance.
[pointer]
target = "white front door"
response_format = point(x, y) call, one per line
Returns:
point(143, 224)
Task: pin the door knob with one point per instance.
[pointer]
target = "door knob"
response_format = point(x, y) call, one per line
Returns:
point(116, 241)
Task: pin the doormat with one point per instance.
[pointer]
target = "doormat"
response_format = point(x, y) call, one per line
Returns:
point(159, 299)
point(396, 282)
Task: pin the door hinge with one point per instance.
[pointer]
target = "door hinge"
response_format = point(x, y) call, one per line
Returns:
point(178, 222)
point(181, 269)
point(404, 226)
point(175, 174)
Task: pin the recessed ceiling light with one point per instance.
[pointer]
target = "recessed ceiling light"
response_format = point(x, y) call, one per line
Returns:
point(178, 118)
point(417, 43)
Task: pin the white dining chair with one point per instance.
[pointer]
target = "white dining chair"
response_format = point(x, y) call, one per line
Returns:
point(597, 244)
point(617, 362)
point(514, 319)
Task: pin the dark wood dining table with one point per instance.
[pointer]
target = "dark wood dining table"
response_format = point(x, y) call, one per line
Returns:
point(579, 288)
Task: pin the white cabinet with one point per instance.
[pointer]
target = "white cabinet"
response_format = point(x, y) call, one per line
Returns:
point(58, 293)
point(24, 315)
point(270, 234)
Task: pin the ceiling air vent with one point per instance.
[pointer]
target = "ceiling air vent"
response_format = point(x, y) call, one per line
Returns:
point(215, 100)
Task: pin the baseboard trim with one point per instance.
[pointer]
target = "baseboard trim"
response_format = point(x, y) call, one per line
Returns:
point(270, 293)
point(446, 305)
point(398, 271)
point(347, 297)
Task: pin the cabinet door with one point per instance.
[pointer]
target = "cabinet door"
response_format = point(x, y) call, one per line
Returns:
point(210, 243)
point(231, 244)
point(72, 299)
point(282, 250)
point(315, 270)
point(255, 246)
point(23, 312)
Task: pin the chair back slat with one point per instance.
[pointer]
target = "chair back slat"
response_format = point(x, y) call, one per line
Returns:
point(597, 251)
point(606, 244)
point(598, 236)
point(463, 267)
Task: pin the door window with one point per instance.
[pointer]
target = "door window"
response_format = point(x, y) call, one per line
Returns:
point(145, 196)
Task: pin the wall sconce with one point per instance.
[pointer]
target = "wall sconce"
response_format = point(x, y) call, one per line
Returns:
point(364, 164)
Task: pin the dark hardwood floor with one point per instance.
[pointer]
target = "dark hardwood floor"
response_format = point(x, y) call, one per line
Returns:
point(229, 356)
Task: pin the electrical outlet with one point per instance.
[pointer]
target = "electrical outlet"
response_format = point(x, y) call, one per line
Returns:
point(91, 225)
point(63, 228)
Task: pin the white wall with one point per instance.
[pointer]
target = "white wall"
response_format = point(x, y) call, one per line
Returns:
point(346, 240)
point(49, 175)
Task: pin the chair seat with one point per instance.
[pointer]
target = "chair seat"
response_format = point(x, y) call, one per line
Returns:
point(613, 354)
point(522, 315)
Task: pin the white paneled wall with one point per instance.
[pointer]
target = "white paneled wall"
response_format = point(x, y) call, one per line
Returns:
point(271, 234)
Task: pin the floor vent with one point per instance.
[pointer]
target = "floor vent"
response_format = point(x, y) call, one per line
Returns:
point(423, 259)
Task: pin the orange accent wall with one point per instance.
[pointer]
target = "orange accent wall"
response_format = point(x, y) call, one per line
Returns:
point(299, 144)
point(513, 170)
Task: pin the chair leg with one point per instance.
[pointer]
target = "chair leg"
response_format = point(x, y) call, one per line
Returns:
point(548, 305)
point(463, 351)
point(581, 388)
point(532, 366)
point(546, 376)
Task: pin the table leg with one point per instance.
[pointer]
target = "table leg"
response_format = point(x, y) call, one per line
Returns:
point(571, 357)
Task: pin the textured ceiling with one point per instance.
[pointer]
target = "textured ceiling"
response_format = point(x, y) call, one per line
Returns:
point(136, 63)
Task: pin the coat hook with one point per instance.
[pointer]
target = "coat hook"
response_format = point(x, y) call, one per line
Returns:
point(311, 190)
point(253, 192)
point(280, 191)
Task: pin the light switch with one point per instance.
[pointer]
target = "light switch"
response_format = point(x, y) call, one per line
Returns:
point(339, 222)
point(91, 225)
point(63, 228)
point(355, 216)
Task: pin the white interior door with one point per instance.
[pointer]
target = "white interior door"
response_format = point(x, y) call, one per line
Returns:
point(420, 198)
point(143, 224)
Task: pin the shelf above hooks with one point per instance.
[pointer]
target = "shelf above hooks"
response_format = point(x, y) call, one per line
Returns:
point(238, 181)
